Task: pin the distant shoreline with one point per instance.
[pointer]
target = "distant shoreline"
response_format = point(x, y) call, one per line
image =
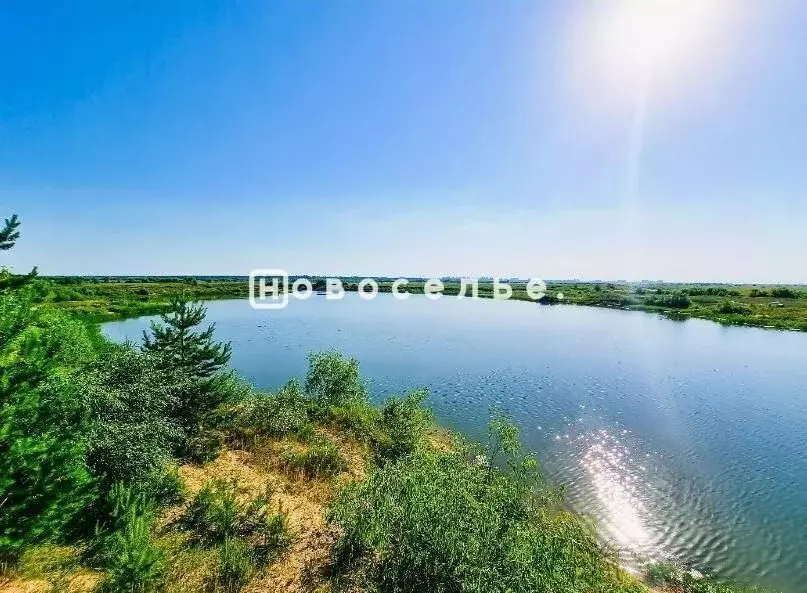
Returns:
point(770, 306)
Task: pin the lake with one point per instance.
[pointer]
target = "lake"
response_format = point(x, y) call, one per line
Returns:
point(681, 439)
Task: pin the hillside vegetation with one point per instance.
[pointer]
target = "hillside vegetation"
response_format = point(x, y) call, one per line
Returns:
point(151, 467)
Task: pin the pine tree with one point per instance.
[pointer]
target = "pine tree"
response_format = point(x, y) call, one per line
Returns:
point(8, 238)
point(181, 347)
point(197, 358)
point(9, 234)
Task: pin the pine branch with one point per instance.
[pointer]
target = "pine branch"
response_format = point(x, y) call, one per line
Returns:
point(9, 234)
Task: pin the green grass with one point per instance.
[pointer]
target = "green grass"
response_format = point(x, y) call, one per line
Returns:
point(221, 510)
point(321, 459)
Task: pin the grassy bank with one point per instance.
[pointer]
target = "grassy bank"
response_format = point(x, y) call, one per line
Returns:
point(777, 307)
point(154, 469)
point(134, 470)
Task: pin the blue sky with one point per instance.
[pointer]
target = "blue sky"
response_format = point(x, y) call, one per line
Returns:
point(414, 138)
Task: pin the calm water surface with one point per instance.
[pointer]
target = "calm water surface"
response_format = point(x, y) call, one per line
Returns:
point(682, 439)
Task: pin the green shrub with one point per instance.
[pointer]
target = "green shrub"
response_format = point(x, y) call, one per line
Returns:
point(433, 521)
point(270, 539)
point(675, 300)
point(274, 415)
point(214, 513)
point(131, 399)
point(403, 424)
point(733, 308)
point(220, 511)
point(135, 564)
point(782, 292)
point(110, 515)
point(204, 446)
point(44, 481)
point(321, 459)
point(758, 292)
point(333, 379)
point(357, 418)
point(235, 567)
point(166, 487)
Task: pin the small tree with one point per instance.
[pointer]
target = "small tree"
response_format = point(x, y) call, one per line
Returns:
point(196, 356)
point(333, 379)
point(181, 347)
point(8, 237)
point(44, 482)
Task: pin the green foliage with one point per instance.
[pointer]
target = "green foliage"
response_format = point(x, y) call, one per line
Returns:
point(220, 510)
point(355, 417)
point(782, 292)
point(235, 567)
point(9, 234)
point(132, 400)
point(333, 379)
point(165, 487)
point(733, 308)
point(133, 561)
point(44, 483)
point(181, 347)
point(271, 539)
point(403, 425)
point(198, 358)
point(320, 459)
point(676, 300)
point(263, 415)
point(712, 291)
point(215, 512)
point(434, 521)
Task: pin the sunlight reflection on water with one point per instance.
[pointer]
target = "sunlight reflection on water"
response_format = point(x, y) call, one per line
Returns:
point(617, 486)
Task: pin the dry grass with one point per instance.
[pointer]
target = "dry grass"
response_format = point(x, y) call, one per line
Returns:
point(305, 566)
point(49, 569)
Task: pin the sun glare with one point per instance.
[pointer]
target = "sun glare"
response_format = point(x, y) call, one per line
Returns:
point(633, 42)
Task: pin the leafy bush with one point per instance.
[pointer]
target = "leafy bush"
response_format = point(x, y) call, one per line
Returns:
point(733, 308)
point(333, 379)
point(355, 417)
point(111, 513)
point(215, 513)
point(321, 459)
point(274, 415)
point(403, 424)
point(676, 300)
point(235, 567)
point(433, 521)
point(782, 292)
point(711, 291)
point(166, 487)
point(44, 481)
point(270, 539)
point(133, 436)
